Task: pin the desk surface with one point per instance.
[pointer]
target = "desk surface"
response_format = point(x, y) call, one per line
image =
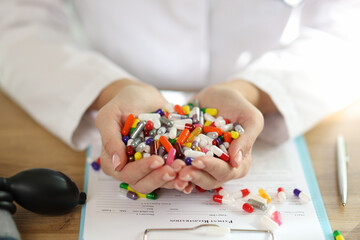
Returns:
point(24, 144)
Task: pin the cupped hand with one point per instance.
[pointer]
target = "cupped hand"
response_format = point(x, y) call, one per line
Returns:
point(210, 172)
point(144, 175)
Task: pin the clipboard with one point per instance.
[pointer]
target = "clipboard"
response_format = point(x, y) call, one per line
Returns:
point(310, 180)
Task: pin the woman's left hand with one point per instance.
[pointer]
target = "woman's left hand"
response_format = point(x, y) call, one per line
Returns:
point(210, 172)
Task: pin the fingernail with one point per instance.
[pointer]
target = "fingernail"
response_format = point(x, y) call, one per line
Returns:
point(180, 188)
point(156, 164)
point(167, 177)
point(238, 158)
point(198, 164)
point(187, 178)
point(116, 161)
point(188, 191)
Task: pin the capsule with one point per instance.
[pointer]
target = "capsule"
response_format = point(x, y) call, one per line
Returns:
point(129, 150)
point(166, 122)
point(125, 139)
point(303, 196)
point(141, 147)
point(149, 125)
point(95, 166)
point(240, 194)
point(193, 154)
point(179, 109)
point(257, 204)
point(199, 188)
point(245, 206)
point(174, 116)
point(265, 195)
point(188, 160)
point(223, 199)
point(132, 195)
point(194, 134)
point(219, 153)
point(238, 128)
point(137, 156)
point(165, 142)
point(139, 128)
point(207, 129)
point(211, 111)
point(281, 194)
point(152, 195)
point(161, 151)
point(186, 109)
point(171, 156)
point(161, 131)
point(234, 134)
point(221, 191)
point(135, 142)
point(179, 151)
point(153, 147)
point(227, 137)
point(337, 235)
point(128, 123)
point(269, 223)
point(183, 136)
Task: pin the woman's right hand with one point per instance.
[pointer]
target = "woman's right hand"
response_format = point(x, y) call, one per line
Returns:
point(115, 103)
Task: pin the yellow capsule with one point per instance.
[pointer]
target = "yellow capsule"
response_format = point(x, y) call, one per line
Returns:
point(135, 123)
point(186, 109)
point(234, 134)
point(188, 145)
point(207, 123)
point(197, 149)
point(194, 134)
point(137, 156)
point(211, 111)
point(139, 194)
point(264, 195)
point(157, 143)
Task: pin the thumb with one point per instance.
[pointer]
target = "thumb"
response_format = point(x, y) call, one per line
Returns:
point(113, 156)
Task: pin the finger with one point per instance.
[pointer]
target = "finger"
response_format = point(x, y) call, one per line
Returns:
point(188, 189)
point(108, 123)
point(217, 168)
point(177, 165)
point(154, 180)
point(240, 148)
point(135, 171)
point(199, 177)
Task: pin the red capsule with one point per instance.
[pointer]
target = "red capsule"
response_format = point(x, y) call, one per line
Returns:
point(98, 161)
point(189, 126)
point(199, 188)
point(223, 199)
point(149, 125)
point(129, 150)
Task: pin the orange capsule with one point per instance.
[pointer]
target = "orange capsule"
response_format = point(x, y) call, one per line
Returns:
point(183, 136)
point(227, 137)
point(165, 142)
point(128, 123)
point(207, 129)
point(179, 109)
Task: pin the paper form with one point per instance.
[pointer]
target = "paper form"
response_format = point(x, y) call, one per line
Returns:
point(110, 214)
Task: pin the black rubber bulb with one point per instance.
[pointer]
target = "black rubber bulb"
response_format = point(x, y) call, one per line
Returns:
point(44, 191)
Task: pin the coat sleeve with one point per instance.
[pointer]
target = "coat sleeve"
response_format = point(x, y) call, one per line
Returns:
point(46, 69)
point(316, 70)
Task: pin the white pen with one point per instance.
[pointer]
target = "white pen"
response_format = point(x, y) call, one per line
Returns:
point(342, 160)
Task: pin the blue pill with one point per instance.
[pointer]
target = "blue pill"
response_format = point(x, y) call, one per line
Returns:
point(188, 160)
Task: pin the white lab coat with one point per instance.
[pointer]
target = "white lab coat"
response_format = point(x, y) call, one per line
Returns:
point(56, 56)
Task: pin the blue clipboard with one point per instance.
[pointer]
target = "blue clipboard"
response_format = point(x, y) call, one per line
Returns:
point(310, 180)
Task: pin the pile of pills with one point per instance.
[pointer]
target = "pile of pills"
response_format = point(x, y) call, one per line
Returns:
point(271, 218)
point(179, 132)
